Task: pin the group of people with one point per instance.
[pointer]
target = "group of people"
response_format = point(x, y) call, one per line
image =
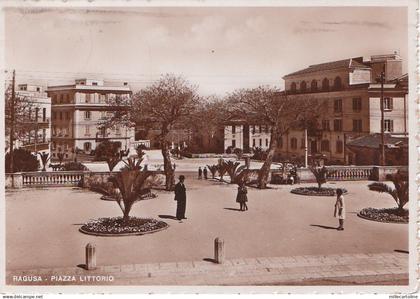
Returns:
point(242, 199)
point(202, 172)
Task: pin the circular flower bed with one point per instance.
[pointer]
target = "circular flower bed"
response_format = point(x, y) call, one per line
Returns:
point(115, 226)
point(315, 191)
point(143, 197)
point(392, 215)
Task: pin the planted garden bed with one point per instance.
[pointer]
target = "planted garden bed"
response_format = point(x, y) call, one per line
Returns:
point(115, 226)
point(315, 191)
point(392, 215)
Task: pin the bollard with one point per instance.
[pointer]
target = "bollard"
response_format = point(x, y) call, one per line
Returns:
point(90, 257)
point(219, 251)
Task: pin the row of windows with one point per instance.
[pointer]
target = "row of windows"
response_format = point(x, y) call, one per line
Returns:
point(357, 104)
point(254, 129)
point(60, 115)
point(36, 116)
point(260, 142)
point(325, 85)
point(325, 144)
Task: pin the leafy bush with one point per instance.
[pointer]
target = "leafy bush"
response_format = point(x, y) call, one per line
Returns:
point(73, 166)
point(23, 160)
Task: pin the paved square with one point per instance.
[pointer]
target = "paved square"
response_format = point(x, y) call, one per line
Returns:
point(42, 226)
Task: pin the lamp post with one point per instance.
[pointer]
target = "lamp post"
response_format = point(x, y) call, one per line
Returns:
point(382, 78)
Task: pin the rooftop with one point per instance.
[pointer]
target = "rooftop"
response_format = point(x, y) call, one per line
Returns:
point(374, 140)
point(349, 63)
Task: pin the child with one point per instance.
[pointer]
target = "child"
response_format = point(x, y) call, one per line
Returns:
point(241, 197)
point(339, 209)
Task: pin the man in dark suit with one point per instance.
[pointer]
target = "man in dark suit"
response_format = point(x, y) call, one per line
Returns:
point(181, 198)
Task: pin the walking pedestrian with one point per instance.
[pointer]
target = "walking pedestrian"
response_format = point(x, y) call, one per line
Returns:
point(339, 209)
point(205, 173)
point(200, 173)
point(181, 198)
point(242, 197)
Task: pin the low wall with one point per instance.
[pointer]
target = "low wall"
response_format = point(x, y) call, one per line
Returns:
point(380, 173)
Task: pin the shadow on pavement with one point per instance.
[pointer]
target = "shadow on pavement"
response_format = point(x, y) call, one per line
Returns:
point(232, 209)
point(167, 217)
point(209, 260)
point(83, 266)
point(324, 226)
point(401, 251)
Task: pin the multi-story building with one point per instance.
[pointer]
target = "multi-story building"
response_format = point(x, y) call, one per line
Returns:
point(34, 123)
point(77, 113)
point(239, 134)
point(351, 93)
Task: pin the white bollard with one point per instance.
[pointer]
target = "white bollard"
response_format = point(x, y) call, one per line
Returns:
point(219, 251)
point(90, 257)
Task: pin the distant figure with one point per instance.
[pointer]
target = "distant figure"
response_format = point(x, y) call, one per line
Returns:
point(205, 173)
point(242, 197)
point(200, 173)
point(339, 209)
point(174, 166)
point(181, 198)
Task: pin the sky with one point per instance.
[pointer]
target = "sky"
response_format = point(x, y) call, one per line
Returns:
point(217, 49)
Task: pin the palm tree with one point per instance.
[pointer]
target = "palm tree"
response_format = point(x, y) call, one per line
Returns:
point(213, 170)
point(130, 181)
point(44, 159)
point(400, 191)
point(222, 169)
point(321, 174)
point(233, 169)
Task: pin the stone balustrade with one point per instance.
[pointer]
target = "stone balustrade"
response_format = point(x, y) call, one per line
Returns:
point(349, 173)
point(57, 178)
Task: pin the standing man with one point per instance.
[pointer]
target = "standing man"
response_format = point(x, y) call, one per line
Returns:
point(181, 198)
point(205, 173)
point(200, 173)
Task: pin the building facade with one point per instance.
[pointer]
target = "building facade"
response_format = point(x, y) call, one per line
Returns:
point(239, 134)
point(36, 133)
point(76, 115)
point(351, 94)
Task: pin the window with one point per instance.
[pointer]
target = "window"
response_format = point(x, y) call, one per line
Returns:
point(325, 84)
point(266, 142)
point(260, 142)
point(53, 130)
point(253, 129)
point(87, 99)
point(357, 104)
point(234, 143)
point(61, 98)
point(325, 145)
point(87, 146)
point(233, 129)
point(44, 114)
point(338, 125)
point(293, 87)
point(337, 83)
point(117, 130)
point(357, 125)
point(338, 105)
point(67, 115)
point(87, 130)
point(253, 142)
point(303, 86)
point(61, 115)
point(314, 85)
point(44, 135)
point(94, 83)
point(87, 114)
point(325, 125)
point(103, 114)
point(388, 125)
point(293, 143)
point(259, 129)
point(36, 113)
point(339, 146)
point(54, 99)
point(302, 143)
point(388, 103)
point(38, 89)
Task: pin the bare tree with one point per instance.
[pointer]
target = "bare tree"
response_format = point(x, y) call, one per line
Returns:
point(162, 105)
point(269, 107)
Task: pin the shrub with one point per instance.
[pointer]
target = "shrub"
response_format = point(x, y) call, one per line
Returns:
point(73, 166)
point(23, 160)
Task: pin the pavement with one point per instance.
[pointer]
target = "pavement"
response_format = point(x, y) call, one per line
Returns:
point(343, 269)
point(42, 227)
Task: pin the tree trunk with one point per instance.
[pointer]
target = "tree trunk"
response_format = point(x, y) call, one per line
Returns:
point(265, 168)
point(126, 216)
point(167, 167)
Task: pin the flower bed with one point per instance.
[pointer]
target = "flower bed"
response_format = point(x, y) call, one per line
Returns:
point(143, 196)
point(115, 226)
point(392, 215)
point(315, 191)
